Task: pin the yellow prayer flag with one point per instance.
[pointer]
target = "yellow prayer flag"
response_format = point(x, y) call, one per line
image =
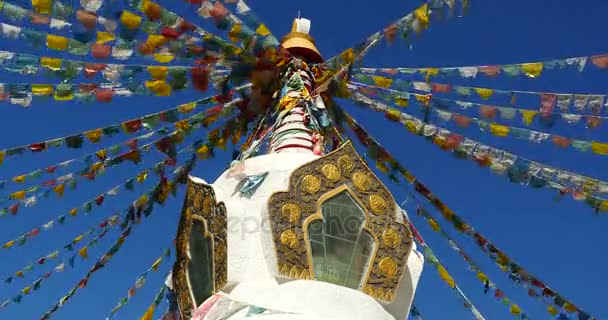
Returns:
point(95, 167)
point(78, 239)
point(393, 113)
point(599, 148)
point(26, 290)
point(42, 89)
point(59, 189)
point(84, 252)
point(149, 315)
point(262, 30)
point(482, 277)
point(234, 32)
point(56, 42)
point(156, 263)
point(19, 274)
point(569, 307)
point(484, 93)
point(434, 224)
point(158, 72)
point(422, 13)
point(142, 176)
point(499, 130)
point(429, 72)
point(93, 135)
point(74, 212)
point(446, 276)
point(203, 152)
point(402, 102)
point(163, 57)
point(183, 124)
point(515, 309)
point(51, 63)
point(552, 310)
point(382, 81)
point(142, 200)
point(411, 126)
point(159, 87)
point(8, 244)
point(103, 37)
point(348, 56)
point(101, 154)
point(532, 70)
point(2, 155)
point(18, 179)
point(155, 40)
point(19, 195)
point(528, 116)
point(42, 6)
point(130, 20)
point(382, 166)
point(187, 108)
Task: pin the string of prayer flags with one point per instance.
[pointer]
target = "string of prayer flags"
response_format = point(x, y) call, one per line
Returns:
point(158, 195)
point(60, 268)
point(253, 22)
point(517, 169)
point(507, 265)
point(88, 160)
point(432, 259)
point(100, 264)
point(487, 111)
point(490, 112)
point(167, 33)
point(66, 69)
point(20, 274)
point(528, 69)
point(140, 282)
point(134, 155)
point(593, 104)
point(149, 314)
point(489, 286)
point(129, 126)
point(413, 23)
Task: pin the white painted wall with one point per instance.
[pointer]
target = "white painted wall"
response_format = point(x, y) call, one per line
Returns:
point(252, 264)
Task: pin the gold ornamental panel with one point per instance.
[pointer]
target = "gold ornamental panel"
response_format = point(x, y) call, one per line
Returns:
point(200, 206)
point(310, 185)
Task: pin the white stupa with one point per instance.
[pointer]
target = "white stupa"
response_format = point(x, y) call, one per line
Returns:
point(295, 233)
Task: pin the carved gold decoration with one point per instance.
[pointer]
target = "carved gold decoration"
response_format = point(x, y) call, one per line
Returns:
point(312, 184)
point(388, 267)
point(289, 238)
point(362, 181)
point(377, 204)
point(200, 204)
point(391, 238)
point(331, 172)
point(291, 211)
point(346, 164)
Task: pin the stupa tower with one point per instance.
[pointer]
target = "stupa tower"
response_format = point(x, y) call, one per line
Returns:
point(292, 232)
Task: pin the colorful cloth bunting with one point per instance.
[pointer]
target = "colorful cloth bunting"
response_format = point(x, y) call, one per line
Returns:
point(489, 286)
point(506, 263)
point(591, 104)
point(141, 280)
point(491, 112)
point(148, 121)
point(517, 169)
point(529, 69)
point(432, 259)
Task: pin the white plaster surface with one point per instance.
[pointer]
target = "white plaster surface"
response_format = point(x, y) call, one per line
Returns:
point(252, 264)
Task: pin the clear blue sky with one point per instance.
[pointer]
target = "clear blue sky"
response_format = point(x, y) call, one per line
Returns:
point(560, 242)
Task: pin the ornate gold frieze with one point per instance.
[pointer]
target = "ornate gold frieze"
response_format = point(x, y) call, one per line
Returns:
point(200, 204)
point(310, 185)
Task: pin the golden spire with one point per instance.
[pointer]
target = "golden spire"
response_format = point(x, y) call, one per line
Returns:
point(299, 43)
